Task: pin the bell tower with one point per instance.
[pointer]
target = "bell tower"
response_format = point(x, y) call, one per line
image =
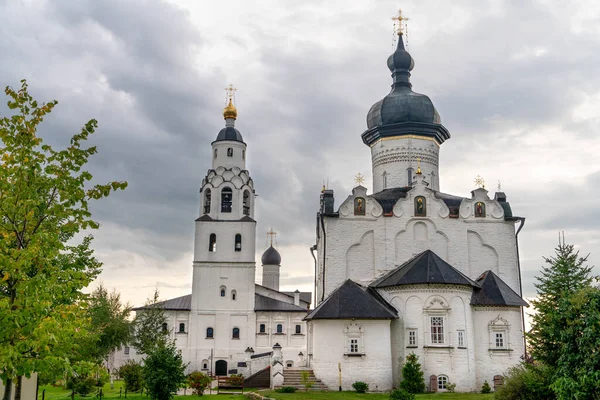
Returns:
point(224, 247)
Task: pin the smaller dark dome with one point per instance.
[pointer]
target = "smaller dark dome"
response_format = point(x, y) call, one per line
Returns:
point(271, 257)
point(229, 133)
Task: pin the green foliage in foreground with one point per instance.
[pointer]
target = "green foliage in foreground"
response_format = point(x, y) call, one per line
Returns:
point(164, 371)
point(45, 198)
point(412, 375)
point(314, 395)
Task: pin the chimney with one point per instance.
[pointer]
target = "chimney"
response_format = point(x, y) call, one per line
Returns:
point(297, 298)
point(327, 201)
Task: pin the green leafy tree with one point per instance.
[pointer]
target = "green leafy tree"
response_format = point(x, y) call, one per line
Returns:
point(578, 367)
point(199, 381)
point(110, 320)
point(44, 261)
point(163, 371)
point(412, 375)
point(526, 381)
point(564, 275)
point(132, 374)
point(148, 330)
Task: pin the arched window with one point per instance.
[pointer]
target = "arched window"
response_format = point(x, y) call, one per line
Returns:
point(359, 206)
point(205, 364)
point(165, 327)
point(215, 153)
point(226, 199)
point(235, 334)
point(222, 290)
point(246, 202)
point(480, 209)
point(409, 176)
point(442, 382)
point(210, 333)
point(230, 152)
point(384, 177)
point(420, 206)
point(238, 242)
point(212, 242)
point(207, 200)
point(262, 328)
point(432, 179)
point(243, 154)
point(279, 328)
point(181, 327)
point(233, 295)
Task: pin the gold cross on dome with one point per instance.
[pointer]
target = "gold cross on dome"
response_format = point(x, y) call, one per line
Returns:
point(398, 22)
point(230, 90)
point(418, 165)
point(480, 182)
point(359, 179)
point(272, 235)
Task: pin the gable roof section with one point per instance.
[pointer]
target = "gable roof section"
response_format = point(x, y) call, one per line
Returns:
point(183, 303)
point(424, 268)
point(494, 292)
point(351, 300)
point(263, 303)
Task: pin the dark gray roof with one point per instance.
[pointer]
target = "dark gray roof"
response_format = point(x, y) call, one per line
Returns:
point(351, 300)
point(259, 355)
point(271, 257)
point(403, 112)
point(262, 303)
point(388, 197)
point(425, 268)
point(229, 133)
point(183, 303)
point(494, 292)
point(304, 296)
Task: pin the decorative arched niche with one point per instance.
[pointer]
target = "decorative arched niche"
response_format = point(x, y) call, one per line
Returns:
point(420, 206)
point(480, 209)
point(359, 206)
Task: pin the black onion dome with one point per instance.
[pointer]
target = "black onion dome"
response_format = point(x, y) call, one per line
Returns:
point(402, 104)
point(271, 257)
point(229, 133)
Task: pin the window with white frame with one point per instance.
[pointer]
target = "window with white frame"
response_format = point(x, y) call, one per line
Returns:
point(126, 350)
point(353, 349)
point(442, 382)
point(412, 338)
point(354, 340)
point(499, 329)
point(499, 340)
point(437, 330)
point(460, 338)
point(436, 310)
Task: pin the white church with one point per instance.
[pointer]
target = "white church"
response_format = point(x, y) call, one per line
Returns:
point(405, 269)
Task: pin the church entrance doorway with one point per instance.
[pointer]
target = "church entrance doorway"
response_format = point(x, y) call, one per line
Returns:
point(221, 368)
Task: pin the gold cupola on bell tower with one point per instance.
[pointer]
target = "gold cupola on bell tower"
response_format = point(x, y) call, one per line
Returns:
point(230, 111)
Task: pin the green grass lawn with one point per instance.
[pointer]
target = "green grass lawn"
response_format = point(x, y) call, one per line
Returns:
point(58, 393)
point(374, 396)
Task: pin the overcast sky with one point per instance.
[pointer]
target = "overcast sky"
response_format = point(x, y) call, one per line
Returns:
point(515, 82)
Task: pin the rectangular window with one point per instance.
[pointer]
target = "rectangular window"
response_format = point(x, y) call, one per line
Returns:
point(461, 338)
point(437, 330)
point(126, 350)
point(412, 337)
point(499, 340)
point(298, 329)
point(354, 346)
point(262, 328)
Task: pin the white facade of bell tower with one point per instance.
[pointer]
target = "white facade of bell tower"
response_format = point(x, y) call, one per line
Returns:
point(223, 288)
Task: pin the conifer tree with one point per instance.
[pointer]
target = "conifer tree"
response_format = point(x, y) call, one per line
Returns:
point(412, 375)
point(564, 276)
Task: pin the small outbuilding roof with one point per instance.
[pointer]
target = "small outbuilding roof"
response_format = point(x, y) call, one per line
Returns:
point(425, 268)
point(352, 300)
point(263, 303)
point(183, 303)
point(495, 292)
